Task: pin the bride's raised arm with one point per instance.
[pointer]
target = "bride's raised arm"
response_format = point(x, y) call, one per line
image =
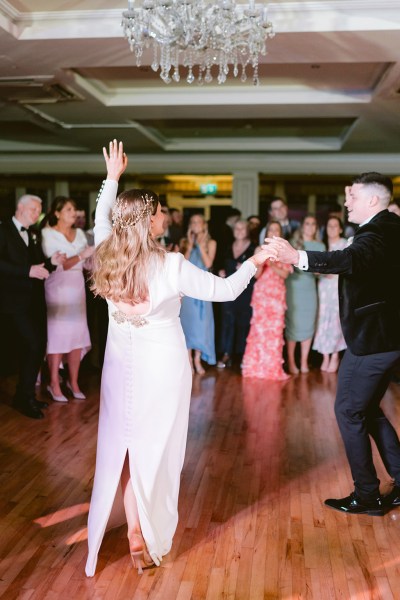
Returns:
point(116, 162)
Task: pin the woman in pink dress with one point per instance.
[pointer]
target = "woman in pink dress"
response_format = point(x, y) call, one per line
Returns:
point(263, 355)
point(67, 329)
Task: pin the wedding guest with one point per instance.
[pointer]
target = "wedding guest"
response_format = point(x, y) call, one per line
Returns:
point(197, 315)
point(334, 210)
point(81, 223)
point(146, 380)
point(165, 238)
point(236, 315)
point(369, 300)
point(80, 219)
point(234, 214)
point(223, 235)
point(278, 211)
point(23, 268)
point(264, 347)
point(254, 223)
point(302, 299)
point(67, 328)
point(176, 232)
point(329, 340)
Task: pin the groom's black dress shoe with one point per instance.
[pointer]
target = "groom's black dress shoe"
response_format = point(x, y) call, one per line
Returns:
point(40, 404)
point(30, 408)
point(353, 505)
point(21, 403)
point(392, 499)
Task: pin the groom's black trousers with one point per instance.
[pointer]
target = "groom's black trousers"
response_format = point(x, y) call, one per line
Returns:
point(362, 383)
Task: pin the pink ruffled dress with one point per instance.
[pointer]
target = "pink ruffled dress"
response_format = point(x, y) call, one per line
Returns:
point(263, 355)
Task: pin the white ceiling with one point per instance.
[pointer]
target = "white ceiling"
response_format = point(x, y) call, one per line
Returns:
point(329, 99)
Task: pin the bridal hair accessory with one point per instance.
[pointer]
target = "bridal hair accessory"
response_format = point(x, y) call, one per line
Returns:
point(121, 219)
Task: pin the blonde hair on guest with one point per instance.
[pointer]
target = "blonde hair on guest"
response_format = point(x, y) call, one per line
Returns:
point(184, 242)
point(123, 260)
point(297, 239)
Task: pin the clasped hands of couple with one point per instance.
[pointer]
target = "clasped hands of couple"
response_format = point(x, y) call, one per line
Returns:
point(280, 249)
point(275, 249)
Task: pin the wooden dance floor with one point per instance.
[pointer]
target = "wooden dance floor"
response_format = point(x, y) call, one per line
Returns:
point(261, 459)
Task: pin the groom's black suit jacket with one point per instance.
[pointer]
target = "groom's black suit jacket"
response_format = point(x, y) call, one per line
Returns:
point(369, 291)
point(18, 291)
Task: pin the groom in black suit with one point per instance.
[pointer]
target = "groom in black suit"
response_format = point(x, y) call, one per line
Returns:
point(369, 301)
point(23, 268)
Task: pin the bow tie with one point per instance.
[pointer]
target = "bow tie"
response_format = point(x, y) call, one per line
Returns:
point(23, 229)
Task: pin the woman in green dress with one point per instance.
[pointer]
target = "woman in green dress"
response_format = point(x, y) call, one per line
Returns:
point(302, 298)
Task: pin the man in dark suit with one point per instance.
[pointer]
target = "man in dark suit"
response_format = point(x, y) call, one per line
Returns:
point(369, 301)
point(23, 269)
point(278, 211)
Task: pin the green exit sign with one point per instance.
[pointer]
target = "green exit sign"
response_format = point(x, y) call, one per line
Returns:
point(208, 188)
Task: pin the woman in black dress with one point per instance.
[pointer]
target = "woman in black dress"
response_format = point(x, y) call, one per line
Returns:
point(236, 315)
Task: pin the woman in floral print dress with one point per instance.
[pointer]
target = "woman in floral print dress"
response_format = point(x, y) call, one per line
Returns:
point(329, 340)
point(263, 355)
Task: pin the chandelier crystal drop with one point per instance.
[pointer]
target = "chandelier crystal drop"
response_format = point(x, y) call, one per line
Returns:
point(198, 34)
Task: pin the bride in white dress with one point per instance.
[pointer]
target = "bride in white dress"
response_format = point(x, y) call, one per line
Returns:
point(146, 379)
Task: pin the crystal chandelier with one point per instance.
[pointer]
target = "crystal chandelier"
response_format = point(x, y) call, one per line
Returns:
point(198, 34)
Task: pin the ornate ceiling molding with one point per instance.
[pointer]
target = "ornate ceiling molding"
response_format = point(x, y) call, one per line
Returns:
point(288, 17)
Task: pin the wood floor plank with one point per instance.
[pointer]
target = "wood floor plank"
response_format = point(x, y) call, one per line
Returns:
point(261, 458)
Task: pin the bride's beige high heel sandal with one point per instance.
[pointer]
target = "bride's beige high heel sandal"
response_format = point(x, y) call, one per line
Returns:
point(139, 559)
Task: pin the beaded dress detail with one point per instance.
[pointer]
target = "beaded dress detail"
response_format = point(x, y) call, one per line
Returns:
point(135, 320)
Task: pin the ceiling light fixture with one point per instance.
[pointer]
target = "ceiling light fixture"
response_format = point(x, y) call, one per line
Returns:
point(198, 34)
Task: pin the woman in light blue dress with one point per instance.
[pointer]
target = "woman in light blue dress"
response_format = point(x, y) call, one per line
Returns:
point(197, 316)
point(302, 299)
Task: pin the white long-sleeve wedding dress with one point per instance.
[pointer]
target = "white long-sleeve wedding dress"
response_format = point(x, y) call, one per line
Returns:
point(145, 396)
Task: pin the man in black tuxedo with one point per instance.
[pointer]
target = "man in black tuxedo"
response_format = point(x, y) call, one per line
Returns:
point(369, 301)
point(23, 268)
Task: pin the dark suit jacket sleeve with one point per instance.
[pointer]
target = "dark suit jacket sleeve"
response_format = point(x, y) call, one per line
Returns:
point(7, 268)
point(365, 254)
point(49, 265)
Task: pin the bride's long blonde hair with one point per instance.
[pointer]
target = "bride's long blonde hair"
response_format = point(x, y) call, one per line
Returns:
point(122, 261)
